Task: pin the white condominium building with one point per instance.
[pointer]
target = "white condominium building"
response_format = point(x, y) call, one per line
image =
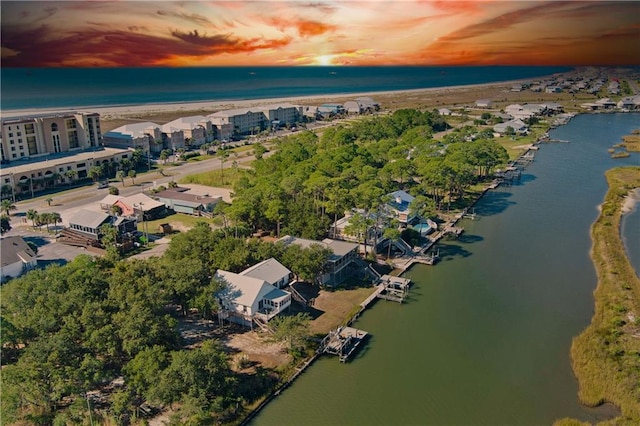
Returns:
point(39, 135)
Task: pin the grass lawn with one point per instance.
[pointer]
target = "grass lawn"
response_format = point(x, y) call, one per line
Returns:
point(178, 221)
point(215, 177)
point(337, 306)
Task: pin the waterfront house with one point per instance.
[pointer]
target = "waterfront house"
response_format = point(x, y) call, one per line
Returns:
point(271, 271)
point(398, 207)
point(606, 103)
point(342, 263)
point(518, 127)
point(17, 257)
point(245, 299)
point(141, 204)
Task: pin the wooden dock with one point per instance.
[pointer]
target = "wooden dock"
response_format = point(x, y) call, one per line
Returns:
point(343, 342)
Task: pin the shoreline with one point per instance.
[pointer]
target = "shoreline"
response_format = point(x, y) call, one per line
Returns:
point(108, 112)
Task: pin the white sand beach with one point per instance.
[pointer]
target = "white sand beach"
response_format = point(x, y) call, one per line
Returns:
point(125, 111)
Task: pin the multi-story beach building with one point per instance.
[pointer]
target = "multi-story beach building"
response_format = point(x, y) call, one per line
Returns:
point(244, 121)
point(196, 129)
point(43, 134)
point(146, 136)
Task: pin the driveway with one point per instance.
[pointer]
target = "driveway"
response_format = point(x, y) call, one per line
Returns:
point(49, 251)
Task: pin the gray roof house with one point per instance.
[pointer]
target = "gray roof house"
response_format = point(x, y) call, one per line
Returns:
point(245, 299)
point(517, 125)
point(17, 257)
point(89, 222)
point(341, 264)
point(361, 105)
point(181, 201)
point(271, 271)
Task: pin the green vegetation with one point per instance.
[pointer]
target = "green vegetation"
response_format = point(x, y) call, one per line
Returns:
point(310, 181)
point(606, 356)
point(215, 177)
point(632, 142)
point(70, 330)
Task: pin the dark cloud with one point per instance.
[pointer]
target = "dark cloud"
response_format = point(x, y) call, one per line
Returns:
point(37, 47)
point(194, 18)
point(322, 7)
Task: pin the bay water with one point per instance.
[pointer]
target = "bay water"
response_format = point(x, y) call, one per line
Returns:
point(27, 88)
point(485, 336)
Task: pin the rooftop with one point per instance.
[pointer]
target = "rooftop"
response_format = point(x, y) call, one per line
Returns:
point(55, 160)
point(15, 249)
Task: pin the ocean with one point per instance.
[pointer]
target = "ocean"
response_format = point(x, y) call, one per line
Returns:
point(28, 88)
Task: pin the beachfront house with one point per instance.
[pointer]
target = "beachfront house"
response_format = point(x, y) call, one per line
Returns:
point(483, 103)
point(361, 105)
point(17, 257)
point(330, 110)
point(245, 299)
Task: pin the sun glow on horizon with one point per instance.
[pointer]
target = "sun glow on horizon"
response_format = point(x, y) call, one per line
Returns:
point(324, 60)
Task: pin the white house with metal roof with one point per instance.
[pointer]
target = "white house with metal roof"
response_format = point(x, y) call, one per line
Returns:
point(245, 299)
point(270, 270)
point(17, 257)
point(518, 126)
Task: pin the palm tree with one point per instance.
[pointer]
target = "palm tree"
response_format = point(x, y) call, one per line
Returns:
point(49, 201)
point(132, 175)
point(32, 215)
point(120, 175)
point(7, 206)
point(116, 210)
point(55, 218)
point(95, 172)
point(71, 174)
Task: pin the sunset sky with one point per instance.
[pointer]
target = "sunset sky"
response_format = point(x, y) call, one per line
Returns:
point(317, 32)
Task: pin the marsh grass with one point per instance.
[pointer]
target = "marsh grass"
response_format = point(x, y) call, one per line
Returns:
point(606, 355)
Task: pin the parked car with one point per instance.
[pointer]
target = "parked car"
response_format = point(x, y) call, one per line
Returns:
point(103, 185)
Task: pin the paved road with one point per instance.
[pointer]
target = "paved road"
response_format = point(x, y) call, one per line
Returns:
point(68, 202)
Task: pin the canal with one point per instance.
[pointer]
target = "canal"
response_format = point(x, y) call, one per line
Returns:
point(485, 336)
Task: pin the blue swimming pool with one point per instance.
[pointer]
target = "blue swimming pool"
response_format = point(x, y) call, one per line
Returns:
point(423, 228)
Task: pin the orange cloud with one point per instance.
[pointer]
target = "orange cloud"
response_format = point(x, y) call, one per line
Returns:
point(304, 27)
